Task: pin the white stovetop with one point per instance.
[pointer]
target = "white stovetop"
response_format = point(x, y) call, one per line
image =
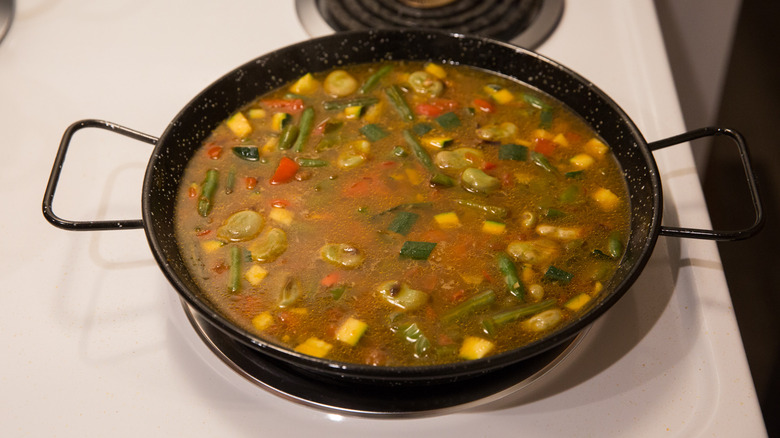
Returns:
point(95, 343)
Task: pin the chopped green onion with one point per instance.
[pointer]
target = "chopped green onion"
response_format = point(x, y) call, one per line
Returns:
point(421, 129)
point(373, 132)
point(511, 151)
point(248, 153)
point(546, 118)
point(541, 161)
point(417, 250)
point(442, 180)
point(448, 120)
point(403, 222)
point(558, 274)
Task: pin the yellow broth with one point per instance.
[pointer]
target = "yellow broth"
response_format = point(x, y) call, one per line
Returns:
point(392, 231)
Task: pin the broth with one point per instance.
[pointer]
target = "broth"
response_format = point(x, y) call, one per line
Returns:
point(402, 213)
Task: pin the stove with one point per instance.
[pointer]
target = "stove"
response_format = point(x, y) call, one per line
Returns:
point(526, 23)
point(96, 342)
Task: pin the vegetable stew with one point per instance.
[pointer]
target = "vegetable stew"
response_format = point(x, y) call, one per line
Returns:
point(402, 214)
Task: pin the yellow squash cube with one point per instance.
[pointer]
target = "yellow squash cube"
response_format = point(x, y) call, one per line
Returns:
point(606, 199)
point(305, 85)
point(447, 220)
point(577, 302)
point(503, 96)
point(594, 146)
point(493, 227)
point(239, 124)
point(262, 321)
point(474, 347)
point(436, 70)
point(351, 331)
point(279, 120)
point(212, 245)
point(314, 347)
point(255, 274)
point(582, 161)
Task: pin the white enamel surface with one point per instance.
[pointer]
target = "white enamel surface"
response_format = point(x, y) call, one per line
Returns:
point(95, 343)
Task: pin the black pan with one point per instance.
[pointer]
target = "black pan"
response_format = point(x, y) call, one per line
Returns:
point(198, 118)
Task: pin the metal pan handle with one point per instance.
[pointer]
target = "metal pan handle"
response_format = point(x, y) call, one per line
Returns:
point(51, 187)
point(739, 140)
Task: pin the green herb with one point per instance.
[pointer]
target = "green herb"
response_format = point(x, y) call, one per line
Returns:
point(448, 120)
point(512, 151)
point(373, 132)
point(417, 250)
point(403, 222)
point(248, 153)
point(557, 274)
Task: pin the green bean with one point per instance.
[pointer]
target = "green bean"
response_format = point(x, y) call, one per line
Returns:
point(374, 79)
point(615, 245)
point(311, 162)
point(288, 136)
point(231, 181)
point(208, 188)
point(499, 212)
point(306, 124)
point(340, 104)
point(400, 105)
point(511, 278)
point(473, 304)
point(419, 151)
point(510, 315)
point(234, 277)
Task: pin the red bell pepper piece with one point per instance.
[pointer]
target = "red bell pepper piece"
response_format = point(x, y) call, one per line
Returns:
point(291, 106)
point(285, 172)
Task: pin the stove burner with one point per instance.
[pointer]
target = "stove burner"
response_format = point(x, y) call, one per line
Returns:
point(353, 398)
point(523, 22)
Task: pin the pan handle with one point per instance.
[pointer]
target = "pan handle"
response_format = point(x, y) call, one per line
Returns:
point(739, 140)
point(51, 187)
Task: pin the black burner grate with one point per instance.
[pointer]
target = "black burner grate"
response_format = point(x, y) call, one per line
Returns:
point(499, 19)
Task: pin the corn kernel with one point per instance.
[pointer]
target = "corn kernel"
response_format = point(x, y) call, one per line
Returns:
point(582, 161)
point(351, 331)
point(606, 199)
point(475, 348)
point(447, 220)
point(262, 321)
point(255, 274)
point(314, 347)
point(492, 227)
point(239, 124)
point(436, 70)
point(305, 85)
